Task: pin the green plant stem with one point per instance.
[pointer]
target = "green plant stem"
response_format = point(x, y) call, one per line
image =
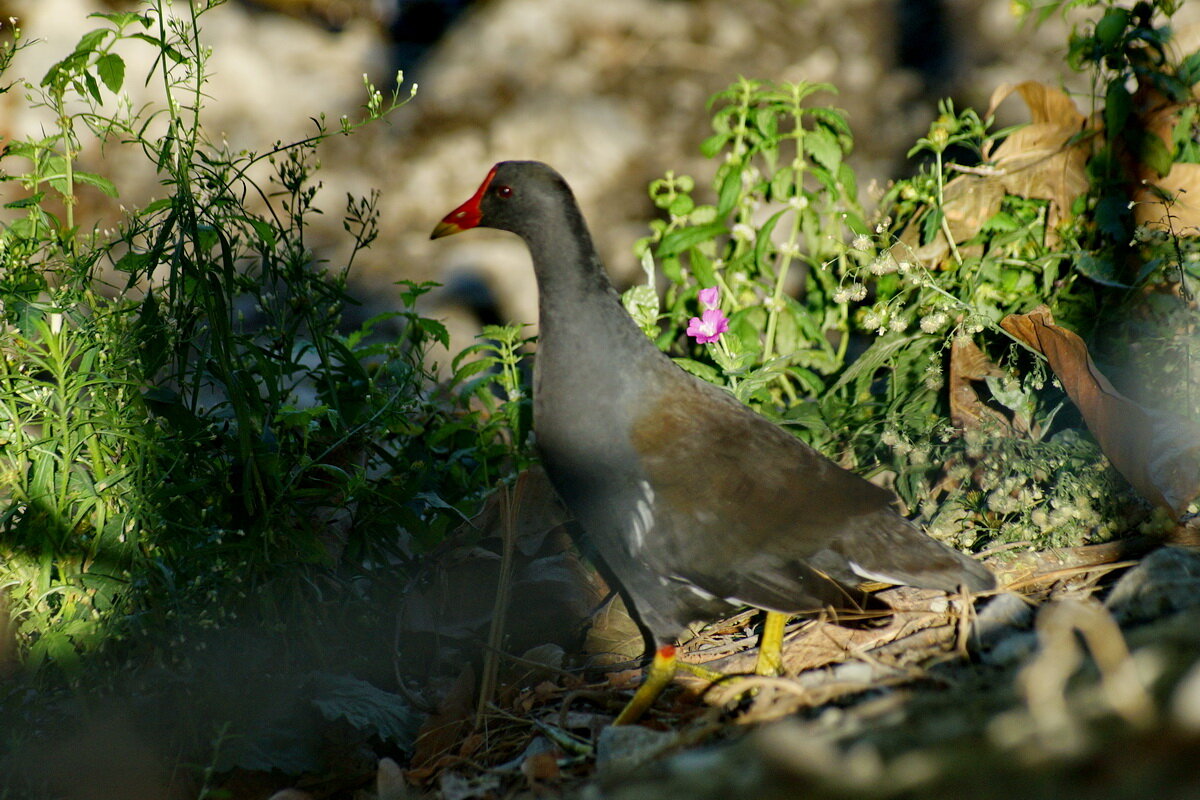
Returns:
point(942, 210)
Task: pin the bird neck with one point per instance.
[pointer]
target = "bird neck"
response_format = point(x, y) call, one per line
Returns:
point(579, 312)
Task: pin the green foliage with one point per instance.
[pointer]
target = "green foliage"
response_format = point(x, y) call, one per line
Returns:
point(784, 204)
point(209, 427)
point(845, 329)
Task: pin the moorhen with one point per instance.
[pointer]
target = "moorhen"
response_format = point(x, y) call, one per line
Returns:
point(696, 504)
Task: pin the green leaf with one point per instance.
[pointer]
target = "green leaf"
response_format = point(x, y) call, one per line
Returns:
point(122, 19)
point(1117, 105)
point(762, 242)
point(111, 68)
point(683, 239)
point(731, 189)
point(1189, 70)
point(1155, 154)
point(89, 41)
point(1111, 27)
point(132, 262)
point(1099, 269)
point(701, 370)
point(166, 49)
point(822, 144)
point(713, 144)
point(874, 357)
point(99, 181)
point(157, 205)
point(1111, 215)
point(782, 183)
point(90, 85)
point(26, 202)
point(681, 206)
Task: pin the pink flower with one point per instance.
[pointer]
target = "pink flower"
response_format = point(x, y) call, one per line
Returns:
point(710, 297)
point(709, 326)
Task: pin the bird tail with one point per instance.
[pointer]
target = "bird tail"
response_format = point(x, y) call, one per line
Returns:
point(902, 554)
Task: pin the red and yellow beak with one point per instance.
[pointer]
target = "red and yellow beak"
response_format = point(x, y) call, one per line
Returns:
point(468, 215)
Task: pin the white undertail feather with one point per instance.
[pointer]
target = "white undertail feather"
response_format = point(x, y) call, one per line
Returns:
point(871, 575)
point(643, 515)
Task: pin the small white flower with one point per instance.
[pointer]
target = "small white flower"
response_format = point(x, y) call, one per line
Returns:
point(789, 249)
point(861, 243)
point(883, 266)
point(841, 295)
point(933, 322)
point(897, 324)
point(799, 202)
point(872, 320)
point(743, 232)
point(883, 225)
point(857, 291)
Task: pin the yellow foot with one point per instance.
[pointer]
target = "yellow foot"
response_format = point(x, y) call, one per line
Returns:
point(662, 670)
point(770, 645)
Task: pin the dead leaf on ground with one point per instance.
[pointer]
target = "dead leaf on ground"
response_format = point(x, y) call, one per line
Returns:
point(1157, 452)
point(1172, 202)
point(541, 768)
point(443, 733)
point(614, 636)
point(968, 363)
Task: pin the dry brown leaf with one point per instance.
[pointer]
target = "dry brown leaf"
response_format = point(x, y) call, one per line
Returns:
point(1045, 103)
point(1043, 160)
point(968, 363)
point(1156, 452)
point(1177, 195)
point(442, 734)
point(541, 767)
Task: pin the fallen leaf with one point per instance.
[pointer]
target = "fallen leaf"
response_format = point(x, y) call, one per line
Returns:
point(443, 732)
point(614, 637)
point(968, 363)
point(1171, 203)
point(1046, 159)
point(1157, 452)
point(541, 767)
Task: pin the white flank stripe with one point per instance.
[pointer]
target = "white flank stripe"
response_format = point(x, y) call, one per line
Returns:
point(867, 574)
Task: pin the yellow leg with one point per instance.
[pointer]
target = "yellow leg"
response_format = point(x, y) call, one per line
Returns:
point(770, 645)
point(662, 670)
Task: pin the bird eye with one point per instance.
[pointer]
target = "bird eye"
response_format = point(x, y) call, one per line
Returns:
point(504, 191)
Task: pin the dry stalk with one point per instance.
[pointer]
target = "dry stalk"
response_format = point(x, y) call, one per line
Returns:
point(510, 501)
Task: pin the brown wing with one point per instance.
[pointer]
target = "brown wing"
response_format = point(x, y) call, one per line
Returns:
point(747, 511)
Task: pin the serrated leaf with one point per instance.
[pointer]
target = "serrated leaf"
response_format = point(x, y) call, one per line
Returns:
point(26, 202)
point(680, 240)
point(822, 144)
point(87, 42)
point(701, 370)
point(1099, 269)
point(1111, 213)
point(99, 181)
point(111, 69)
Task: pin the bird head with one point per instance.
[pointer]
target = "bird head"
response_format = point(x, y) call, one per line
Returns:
point(513, 196)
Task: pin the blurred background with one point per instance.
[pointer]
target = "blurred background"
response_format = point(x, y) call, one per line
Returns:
point(611, 93)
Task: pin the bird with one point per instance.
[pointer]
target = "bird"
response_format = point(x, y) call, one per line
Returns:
point(695, 503)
